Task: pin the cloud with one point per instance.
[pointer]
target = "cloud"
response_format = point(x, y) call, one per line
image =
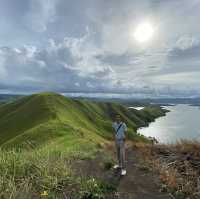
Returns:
point(186, 42)
point(178, 80)
point(59, 66)
point(186, 48)
point(40, 14)
point(116, 59)
point(89, 46)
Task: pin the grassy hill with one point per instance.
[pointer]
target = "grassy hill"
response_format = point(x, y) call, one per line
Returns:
point(50, 117)
point(60, 131)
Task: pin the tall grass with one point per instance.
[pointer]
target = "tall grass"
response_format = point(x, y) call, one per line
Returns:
point(30, 174)
point(47, 173)
point(178, 166)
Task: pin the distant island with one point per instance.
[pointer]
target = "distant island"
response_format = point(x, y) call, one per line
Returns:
point(125, 101)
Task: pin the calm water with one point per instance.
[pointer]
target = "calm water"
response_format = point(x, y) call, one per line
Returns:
point(137, 107)
point(182, 122)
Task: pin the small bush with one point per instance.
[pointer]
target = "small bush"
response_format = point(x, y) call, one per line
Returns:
point(94, 189)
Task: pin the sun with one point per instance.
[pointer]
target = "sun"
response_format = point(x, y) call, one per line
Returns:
point(143, 32)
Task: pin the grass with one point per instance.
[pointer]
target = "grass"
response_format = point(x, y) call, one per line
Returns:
point(44, 117)
point(95, 189)
point(178, 166)
point(42, 133)
point(32, 174)
point(29, 174)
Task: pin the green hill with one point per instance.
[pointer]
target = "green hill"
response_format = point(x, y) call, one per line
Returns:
point(49, 117)
point(62, 132)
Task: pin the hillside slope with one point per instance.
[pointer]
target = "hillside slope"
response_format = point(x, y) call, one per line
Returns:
point(44, 117)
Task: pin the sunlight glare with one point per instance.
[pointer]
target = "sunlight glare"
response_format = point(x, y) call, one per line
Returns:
point(143, 32)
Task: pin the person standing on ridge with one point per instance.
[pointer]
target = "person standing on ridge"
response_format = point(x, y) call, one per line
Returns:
point(120, 129)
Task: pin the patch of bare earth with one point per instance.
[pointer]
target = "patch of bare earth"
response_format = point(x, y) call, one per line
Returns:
point(139, 183)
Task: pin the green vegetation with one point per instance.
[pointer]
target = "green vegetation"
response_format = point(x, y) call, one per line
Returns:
point(41, 134)
point(23, 174)
point(49, 117)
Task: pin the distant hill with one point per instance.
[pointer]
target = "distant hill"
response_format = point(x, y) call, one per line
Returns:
point(7, 97)
point(44, 117)
point(147, 101)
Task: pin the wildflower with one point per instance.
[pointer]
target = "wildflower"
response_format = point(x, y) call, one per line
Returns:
point(44, 193)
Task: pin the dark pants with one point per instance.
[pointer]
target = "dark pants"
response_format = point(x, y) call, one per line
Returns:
point(120, 146)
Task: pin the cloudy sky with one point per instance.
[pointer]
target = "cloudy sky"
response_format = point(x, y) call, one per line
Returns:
point(90, 46)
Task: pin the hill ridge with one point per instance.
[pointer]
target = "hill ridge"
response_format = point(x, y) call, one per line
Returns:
point(50, 115)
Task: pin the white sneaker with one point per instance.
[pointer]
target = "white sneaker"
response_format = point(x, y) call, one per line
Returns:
point(123, 172)
point(116, 166)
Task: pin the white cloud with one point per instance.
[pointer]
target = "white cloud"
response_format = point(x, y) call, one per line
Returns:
point(107, 56)
point(186, 42)
point(60, 66)
point(179, 80)
point(41, 13)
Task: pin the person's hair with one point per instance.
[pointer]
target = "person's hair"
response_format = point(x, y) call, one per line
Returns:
point(118, 116)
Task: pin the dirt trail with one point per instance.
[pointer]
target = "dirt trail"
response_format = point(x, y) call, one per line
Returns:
point(137, 184)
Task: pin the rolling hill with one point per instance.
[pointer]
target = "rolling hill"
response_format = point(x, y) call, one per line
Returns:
point(48, 117)
point(61, 134)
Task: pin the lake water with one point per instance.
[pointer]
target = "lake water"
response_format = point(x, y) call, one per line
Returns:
point(182, 122)
point(137, 107)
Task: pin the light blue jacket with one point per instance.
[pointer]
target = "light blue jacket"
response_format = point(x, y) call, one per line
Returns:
point(121, 132)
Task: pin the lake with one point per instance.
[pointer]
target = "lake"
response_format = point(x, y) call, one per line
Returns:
point(182, 122)
point(137, 107)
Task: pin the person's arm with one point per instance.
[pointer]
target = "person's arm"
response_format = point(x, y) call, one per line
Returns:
point(113, 126)
point(125, 130)
point(125, 127)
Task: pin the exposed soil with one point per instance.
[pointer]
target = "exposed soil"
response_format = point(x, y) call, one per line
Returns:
point(139, 183)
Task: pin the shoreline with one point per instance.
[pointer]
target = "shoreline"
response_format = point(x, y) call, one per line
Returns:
point(165, 111)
